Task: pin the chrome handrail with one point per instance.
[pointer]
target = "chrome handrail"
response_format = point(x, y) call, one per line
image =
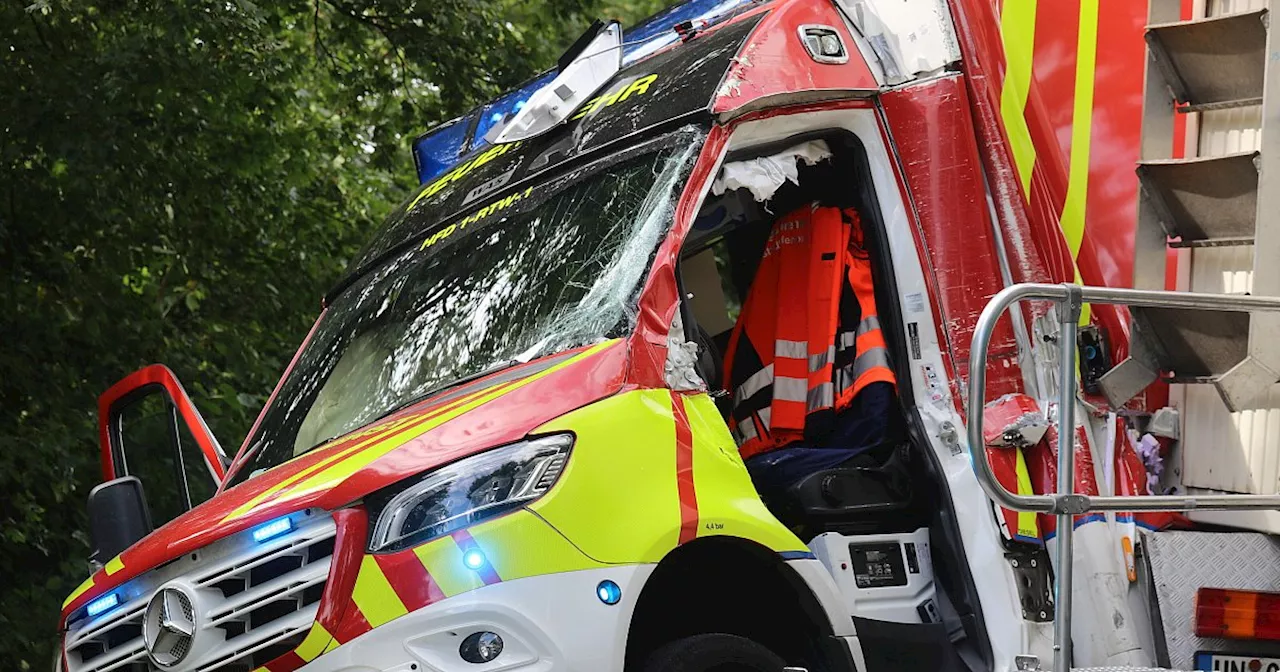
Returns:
point(1065, 503)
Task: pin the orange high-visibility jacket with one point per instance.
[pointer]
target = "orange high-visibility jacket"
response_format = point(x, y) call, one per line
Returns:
point(808, 339)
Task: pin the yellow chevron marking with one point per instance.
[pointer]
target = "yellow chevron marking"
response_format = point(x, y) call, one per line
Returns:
point(114, 565)
point(314, 644)
point(80, 590)
point(374, 595)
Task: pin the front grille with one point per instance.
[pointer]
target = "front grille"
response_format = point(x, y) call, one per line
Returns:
point(253, 602)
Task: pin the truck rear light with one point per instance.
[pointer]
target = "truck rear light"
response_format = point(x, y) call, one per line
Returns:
point(1237, 614)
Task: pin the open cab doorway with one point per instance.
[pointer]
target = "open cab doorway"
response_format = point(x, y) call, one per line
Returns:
point(879, 518)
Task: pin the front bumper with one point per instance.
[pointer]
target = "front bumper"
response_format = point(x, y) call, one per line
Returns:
point(548, 623)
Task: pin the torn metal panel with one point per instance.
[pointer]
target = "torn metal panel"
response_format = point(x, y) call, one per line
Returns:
point(681, 368)
point(1013, 421)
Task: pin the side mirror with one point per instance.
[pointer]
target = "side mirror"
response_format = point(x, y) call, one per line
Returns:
point(118, 517)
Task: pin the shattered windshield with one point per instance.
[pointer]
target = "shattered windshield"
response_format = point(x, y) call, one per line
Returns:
point(532, 272)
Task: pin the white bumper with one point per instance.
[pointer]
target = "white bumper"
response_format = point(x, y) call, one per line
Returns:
point(551, 623)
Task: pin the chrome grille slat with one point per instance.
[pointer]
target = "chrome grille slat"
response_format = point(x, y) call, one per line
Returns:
point(129, 612)
point(131, 652)
point(303, 620)
point(266, 552)
point(288, 584)
point(231, 580)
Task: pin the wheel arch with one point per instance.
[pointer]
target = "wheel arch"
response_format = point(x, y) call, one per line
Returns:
point(736, 586)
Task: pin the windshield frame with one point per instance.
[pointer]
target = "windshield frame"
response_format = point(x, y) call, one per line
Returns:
point(689, 135)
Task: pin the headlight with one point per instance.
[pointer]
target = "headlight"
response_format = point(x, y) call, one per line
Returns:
point(466, 492)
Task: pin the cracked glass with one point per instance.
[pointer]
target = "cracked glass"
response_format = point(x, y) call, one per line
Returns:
point(537, 271)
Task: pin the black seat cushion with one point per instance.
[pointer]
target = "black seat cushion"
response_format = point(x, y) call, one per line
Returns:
point(868, 493)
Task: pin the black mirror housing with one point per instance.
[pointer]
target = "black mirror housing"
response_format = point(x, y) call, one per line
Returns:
point(118, 517)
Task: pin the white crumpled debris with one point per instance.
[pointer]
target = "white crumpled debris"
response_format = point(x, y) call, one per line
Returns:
point(1148, 448)
point(763, 176)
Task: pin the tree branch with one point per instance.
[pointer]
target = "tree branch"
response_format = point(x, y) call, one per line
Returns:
point(375, 22)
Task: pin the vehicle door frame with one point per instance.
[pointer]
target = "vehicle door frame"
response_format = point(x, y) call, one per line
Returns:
point(152, 379)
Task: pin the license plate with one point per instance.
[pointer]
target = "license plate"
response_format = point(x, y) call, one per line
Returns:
point(1217, 662)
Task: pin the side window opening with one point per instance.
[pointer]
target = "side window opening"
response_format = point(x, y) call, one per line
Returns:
point(721, 259)
point(157, 448)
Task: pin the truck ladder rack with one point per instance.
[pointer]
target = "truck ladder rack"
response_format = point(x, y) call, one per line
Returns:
point(1065, 503)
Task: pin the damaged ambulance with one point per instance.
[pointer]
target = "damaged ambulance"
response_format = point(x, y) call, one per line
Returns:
point(515, 437)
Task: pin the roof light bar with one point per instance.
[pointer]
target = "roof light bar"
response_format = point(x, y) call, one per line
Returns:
point(1237, 614)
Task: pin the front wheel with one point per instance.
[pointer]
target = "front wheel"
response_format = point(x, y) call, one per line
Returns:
point(713, 653)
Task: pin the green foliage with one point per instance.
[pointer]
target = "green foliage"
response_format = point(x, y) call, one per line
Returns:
point(180, 180)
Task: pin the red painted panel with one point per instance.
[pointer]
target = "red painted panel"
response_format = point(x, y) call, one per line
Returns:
point(660, 297)
point(348, 548)
point(1033, 249)
point(1106, 257)
point(773, 61)
point(934, 138)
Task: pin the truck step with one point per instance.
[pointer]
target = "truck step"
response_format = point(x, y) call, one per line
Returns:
point(1212, 63)
point(1204, 201)
point(1207, 201)
point(1195, 346)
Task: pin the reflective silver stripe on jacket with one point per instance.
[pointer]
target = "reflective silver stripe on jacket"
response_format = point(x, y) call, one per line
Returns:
point(816, 362)
point(787, 388)
point(790, 349)
point(849, 339)
point(820, 397)
point(847, 375)
point(753, 384)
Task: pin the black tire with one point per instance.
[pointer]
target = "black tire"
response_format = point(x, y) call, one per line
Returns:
point(713, 653)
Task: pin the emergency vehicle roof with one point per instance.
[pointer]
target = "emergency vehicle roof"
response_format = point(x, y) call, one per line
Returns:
point(437, 150)
point(672, 88)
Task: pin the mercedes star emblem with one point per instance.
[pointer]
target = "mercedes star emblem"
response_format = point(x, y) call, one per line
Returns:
point(169, 625)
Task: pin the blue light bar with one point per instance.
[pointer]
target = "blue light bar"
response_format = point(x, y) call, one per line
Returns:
point(103, 604)
point(272, 529)
point(446, 145)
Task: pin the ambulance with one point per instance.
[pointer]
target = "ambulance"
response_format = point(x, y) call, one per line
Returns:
point(504, 445)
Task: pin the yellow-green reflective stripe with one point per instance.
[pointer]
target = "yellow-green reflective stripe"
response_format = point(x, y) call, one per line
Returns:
point(314, 644)
point(1028, 525)
point(114, 565)
point(80, 590)
point(1073, 211)
point(1018, 33)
